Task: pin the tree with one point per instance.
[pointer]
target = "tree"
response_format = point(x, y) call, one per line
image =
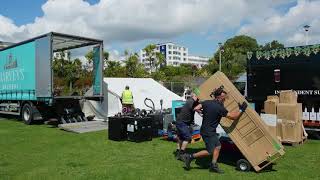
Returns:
point(150, 53)
point(235, 52)
point(89, 56)
point(160, 60)
point(272, 45)
point(210, 68)
point(114, 69)
point(133, 67)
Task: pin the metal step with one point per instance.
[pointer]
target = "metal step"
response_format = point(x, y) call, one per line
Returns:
point(83, 127)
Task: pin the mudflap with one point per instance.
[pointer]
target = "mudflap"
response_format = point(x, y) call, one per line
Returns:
point(69, 111)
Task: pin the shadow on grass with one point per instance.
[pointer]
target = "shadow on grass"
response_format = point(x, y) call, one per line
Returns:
point(228, 157)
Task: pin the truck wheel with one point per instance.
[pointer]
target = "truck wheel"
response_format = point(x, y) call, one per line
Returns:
point(27, 114)
point(243, 165)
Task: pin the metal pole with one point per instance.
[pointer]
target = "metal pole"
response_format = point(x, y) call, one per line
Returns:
point(219, 59)
point(307, 33)
point(306, 29)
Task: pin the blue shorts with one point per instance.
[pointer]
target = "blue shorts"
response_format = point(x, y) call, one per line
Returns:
point(211, 142)
point(184, 132)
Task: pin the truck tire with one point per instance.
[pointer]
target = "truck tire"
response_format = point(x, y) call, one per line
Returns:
point(243, 165)
point(27, 113)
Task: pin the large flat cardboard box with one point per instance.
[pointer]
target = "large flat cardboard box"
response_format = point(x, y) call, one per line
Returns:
point(270, 106)
point(248, 133)
point(288, 96)
point(292, 112)
point(292, 131)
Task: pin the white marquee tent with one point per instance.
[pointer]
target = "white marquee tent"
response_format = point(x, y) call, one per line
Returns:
point(141, 88)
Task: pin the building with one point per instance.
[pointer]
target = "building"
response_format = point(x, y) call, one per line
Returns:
point(175, 55)
point(199, 61)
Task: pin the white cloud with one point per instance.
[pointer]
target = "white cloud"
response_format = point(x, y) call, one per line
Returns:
point(288, 28)
point(130, 21)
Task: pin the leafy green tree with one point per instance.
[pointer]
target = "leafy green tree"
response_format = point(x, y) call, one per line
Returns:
point(89, 57)
point(234, 54)
point(150, 54)
point(272, 45)
point(114, 69)
point(160, 60)
point(133, 67)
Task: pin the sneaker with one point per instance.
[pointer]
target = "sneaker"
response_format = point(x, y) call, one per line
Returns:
point(187, 160)
point(215, 168)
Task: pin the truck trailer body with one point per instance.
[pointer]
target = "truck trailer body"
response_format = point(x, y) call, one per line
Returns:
point(26, 78)
point(296, 68)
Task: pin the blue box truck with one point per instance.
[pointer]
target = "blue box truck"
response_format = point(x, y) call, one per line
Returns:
point(26, 78)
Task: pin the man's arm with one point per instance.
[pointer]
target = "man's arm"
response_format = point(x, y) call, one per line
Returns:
point(198, 108)
point(234, 115)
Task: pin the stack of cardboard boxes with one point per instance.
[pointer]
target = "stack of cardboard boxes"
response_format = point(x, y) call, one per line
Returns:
point(270, 116)
point(289, 114)
point(289, 127)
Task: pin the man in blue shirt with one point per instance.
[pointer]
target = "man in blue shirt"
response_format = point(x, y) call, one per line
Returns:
point(213, 111)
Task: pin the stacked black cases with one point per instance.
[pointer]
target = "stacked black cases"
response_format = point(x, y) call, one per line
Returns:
point(117, 128)
point(139, 129)
point(157, 123)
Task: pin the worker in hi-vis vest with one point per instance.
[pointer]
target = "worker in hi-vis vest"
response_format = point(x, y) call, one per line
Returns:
point(127, 100)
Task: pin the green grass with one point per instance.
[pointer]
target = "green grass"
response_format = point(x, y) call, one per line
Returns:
point(42, 152)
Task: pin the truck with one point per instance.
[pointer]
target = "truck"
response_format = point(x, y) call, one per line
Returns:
point(291, 68)
point(27, 86)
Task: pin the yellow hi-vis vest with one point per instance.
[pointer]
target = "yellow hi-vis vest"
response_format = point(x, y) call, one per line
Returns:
point(127, 97)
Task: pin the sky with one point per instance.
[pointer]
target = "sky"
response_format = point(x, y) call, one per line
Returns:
point(198, 25)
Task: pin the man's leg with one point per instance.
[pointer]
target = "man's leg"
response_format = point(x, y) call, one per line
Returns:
point(216, 152)
point(189, 157)
point(177, 152)
point(184, 137)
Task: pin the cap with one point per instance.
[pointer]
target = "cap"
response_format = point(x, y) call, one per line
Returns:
point(196, 91)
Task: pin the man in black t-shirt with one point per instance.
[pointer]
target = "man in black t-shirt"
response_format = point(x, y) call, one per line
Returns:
point(185, 120)
point(213, 111)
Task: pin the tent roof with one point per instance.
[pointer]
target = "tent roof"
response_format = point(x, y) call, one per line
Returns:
point(61, 42)
point(143, 88)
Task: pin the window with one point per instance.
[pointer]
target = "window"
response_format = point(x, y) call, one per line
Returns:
point(170, 52)
point(184, 54)
point(184, 59)
point(170, 57)
point(170, 46)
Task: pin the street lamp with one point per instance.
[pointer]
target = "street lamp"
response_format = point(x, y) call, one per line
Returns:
point(220, 51)
point(306, 29)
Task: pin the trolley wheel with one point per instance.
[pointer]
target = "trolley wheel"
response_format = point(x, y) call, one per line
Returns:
point(243, 165)
point(27, 113)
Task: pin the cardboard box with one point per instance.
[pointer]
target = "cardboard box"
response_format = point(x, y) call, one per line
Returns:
point(274, 97)
point(249, 133)
point(292, 131)
point(279, 129)
point(270, 106)
point(288, 96)
point(289, 111)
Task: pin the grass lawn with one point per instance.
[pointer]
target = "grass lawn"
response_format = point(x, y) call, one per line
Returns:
point(43, 152)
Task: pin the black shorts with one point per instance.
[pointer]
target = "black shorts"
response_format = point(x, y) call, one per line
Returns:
point(184, 131)
point(211, 142)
